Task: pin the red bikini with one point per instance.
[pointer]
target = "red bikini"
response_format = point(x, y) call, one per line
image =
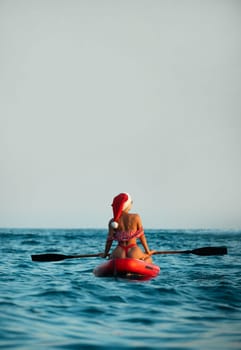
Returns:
point(127, 247)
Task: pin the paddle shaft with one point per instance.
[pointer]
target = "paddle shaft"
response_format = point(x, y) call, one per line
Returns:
point(205, 251)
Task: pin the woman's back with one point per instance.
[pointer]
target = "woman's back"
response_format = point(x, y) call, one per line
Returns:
point(129, 228)
point(129, 223)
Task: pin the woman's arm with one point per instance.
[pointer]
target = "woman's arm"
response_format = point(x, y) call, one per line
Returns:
point(109, 241)
point(144, 244)
point(143, 238)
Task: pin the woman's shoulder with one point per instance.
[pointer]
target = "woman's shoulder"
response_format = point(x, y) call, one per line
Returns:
point(135, 216)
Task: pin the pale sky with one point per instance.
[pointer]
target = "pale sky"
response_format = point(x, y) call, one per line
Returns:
point(100, 97)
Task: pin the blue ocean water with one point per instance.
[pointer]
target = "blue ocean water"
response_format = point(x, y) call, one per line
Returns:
point(195, 302)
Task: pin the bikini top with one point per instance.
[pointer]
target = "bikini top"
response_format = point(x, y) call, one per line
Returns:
point(122, 236)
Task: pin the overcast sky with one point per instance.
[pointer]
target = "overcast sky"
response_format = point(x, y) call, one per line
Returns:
point(100, 97)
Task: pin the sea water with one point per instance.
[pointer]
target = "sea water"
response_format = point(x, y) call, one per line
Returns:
point(195, 302)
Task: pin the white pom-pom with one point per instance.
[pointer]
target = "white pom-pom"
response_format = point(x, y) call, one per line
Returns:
point(114, 224)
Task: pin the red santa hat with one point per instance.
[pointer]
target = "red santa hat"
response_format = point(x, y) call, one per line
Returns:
point(120, 203)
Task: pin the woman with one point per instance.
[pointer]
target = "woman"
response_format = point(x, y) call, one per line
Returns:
point(125, 228)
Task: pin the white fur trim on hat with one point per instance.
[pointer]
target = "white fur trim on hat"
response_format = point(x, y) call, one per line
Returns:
point(128, 202)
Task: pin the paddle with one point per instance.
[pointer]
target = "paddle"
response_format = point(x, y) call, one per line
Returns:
point(205, 251)
point(58, 257)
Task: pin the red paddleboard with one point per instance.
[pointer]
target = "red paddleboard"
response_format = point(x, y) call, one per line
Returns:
point(127, 268)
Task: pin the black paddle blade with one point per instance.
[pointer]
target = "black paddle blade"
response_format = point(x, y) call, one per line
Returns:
point(206, 251)
point(49, 257)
